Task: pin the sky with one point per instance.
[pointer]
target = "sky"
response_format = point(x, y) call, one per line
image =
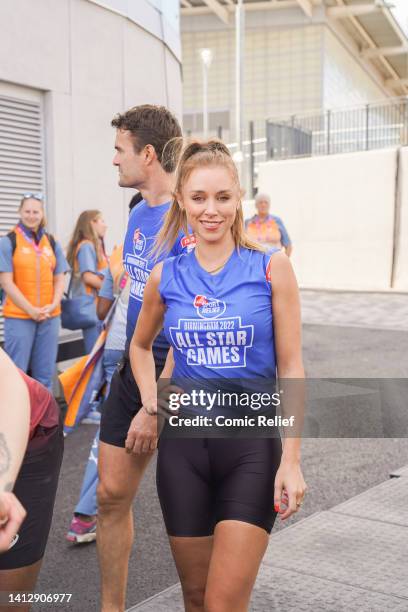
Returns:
point(400, 11)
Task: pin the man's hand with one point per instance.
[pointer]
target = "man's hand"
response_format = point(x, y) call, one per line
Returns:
point(143, 433)
point(12, 514)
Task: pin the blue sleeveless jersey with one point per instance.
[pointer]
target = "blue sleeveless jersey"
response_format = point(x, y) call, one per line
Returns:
point(220, 325)
point(144, 224)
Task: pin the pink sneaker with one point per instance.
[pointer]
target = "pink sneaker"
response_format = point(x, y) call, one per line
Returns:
point(81, 531)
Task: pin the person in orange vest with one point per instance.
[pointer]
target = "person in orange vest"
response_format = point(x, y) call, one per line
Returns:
point(87, 258)
point(32, 268)
point(268, 229)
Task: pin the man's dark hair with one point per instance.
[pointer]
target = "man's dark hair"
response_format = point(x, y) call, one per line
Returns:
point(154, 125)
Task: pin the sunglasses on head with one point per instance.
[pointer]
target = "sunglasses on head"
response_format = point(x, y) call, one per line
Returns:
point(34, 196)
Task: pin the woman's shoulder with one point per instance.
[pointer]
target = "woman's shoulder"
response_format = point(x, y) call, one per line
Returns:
point(85, 247)
point(85, 244)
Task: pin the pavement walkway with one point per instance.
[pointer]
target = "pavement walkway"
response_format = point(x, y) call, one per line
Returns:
point(387, 311)
point(352, 557)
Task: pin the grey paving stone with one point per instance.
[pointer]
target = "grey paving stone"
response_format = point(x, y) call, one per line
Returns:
point(345, 549)
point(281, 590)
point(278, 590)
point(386, 310)
point(169, 600)
point(387, 502)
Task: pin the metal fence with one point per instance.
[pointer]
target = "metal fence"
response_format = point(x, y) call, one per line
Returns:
point(360, 128)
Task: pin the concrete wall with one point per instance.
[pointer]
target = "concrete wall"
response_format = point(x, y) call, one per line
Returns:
point(86, 63)
point(339, 211)
point(401, 260)
point(345, 81)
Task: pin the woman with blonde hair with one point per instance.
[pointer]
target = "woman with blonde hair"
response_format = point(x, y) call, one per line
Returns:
point(87, 258)
point(231, 313)
point(32, 268)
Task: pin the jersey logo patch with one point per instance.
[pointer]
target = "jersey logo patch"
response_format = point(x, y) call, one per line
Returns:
point(139, 243)
point(209, 308)
point(189, 242)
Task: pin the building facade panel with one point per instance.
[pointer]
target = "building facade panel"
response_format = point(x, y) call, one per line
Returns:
point(85, 62)
point(345, 81)
point(282, 71)
point(35, 45)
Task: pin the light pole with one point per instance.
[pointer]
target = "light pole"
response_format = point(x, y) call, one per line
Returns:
point(239, 83)
point(206, 58)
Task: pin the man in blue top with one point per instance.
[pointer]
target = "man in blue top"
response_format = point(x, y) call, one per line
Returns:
point(144, 161)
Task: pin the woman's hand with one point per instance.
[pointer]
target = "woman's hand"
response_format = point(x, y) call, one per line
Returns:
point(48, 309)
point(290, 488)
point(37, 314)
point(12, 515)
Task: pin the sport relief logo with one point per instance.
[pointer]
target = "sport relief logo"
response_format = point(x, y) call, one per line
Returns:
point(136, 266)
point(139, 243)
point(209, 308)
point(212, 340)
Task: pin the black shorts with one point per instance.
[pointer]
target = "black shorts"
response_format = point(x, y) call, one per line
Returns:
point(201, 482)
point(36, 487)
point(123, 403)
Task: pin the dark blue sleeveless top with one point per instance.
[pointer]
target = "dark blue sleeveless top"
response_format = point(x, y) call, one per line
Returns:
point(220, 325)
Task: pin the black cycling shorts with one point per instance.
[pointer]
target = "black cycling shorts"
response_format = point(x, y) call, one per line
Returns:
point(201, 482)
point(122, 403)
point(36, 487)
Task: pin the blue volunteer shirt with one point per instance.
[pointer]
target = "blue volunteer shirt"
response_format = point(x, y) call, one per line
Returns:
point(144, 224)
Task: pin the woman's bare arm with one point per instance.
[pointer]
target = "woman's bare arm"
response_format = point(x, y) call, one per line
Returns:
point(14, 421)
point(149, 324)
point(92, 280)
point(288, 346)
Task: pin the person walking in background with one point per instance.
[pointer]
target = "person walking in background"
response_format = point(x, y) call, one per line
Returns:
point(87, 258)
point(115, 285)
point(32, 268)
point(267, 229)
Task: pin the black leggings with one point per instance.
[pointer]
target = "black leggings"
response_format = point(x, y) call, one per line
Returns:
point(203, 481)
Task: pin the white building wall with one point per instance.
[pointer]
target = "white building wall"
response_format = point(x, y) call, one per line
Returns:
point(339, 212)
point(345, 81)
point(86, 63)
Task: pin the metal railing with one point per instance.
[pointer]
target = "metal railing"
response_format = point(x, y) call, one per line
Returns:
point(359, 128)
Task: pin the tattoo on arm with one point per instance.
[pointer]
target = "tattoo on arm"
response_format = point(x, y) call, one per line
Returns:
point(5, 455)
